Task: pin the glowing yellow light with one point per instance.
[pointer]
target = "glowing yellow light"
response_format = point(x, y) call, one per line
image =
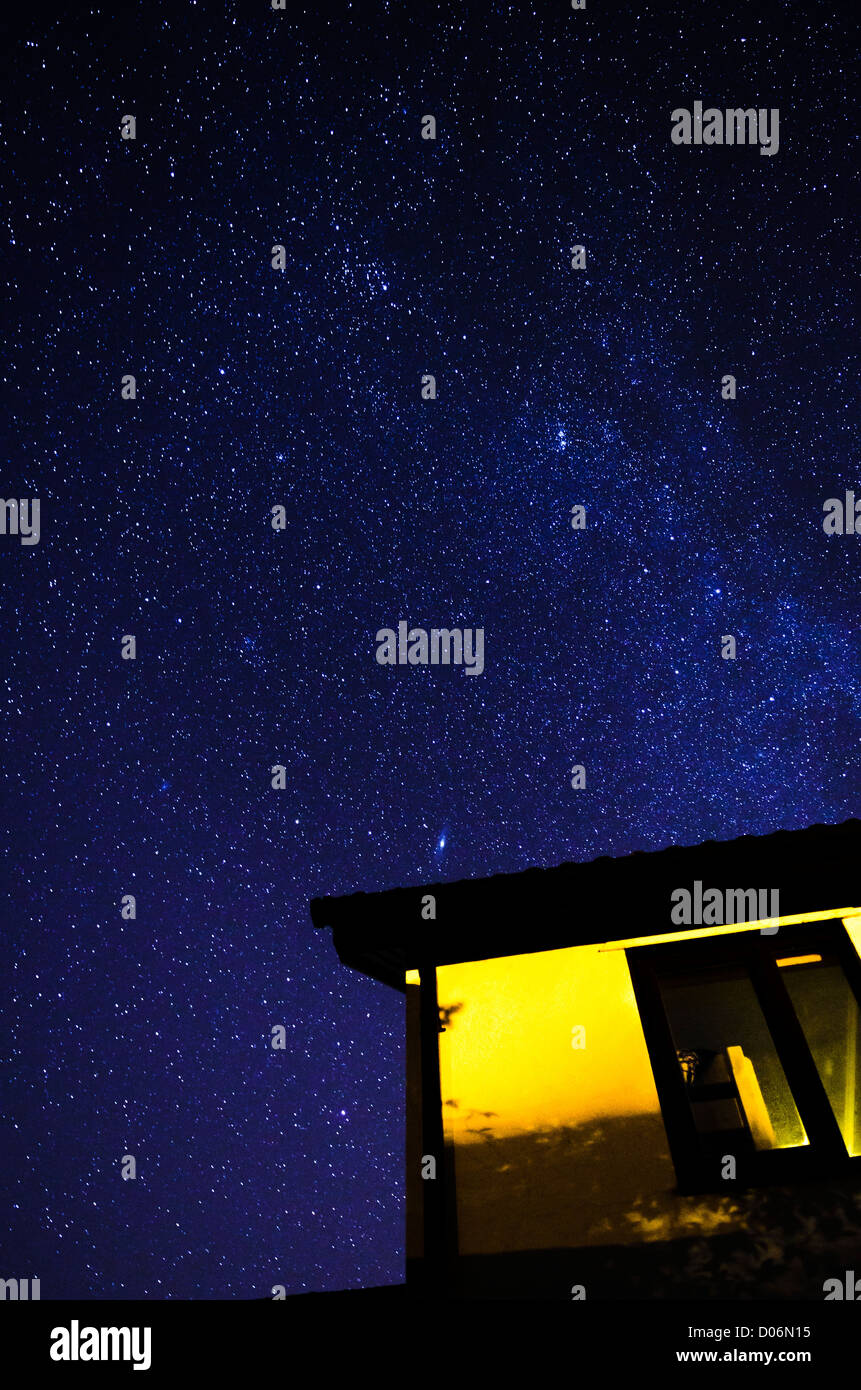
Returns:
point(853, 927)
point(766, 923)
point(752, 1101)
point(540, 1041)
point(800, 960)
point(412, 978)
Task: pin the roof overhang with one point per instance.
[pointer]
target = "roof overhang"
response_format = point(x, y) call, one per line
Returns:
point(384, 934)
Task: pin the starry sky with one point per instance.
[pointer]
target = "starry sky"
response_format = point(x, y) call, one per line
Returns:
point(301, 388)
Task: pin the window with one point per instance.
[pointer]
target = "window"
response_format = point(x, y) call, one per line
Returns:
point(755, 1047)
point(827, 1010)
point(734, 1082)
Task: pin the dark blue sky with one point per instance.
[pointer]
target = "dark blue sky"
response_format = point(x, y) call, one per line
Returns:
point(254, 648)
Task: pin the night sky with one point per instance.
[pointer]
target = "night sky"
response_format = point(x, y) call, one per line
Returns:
point(301, 388)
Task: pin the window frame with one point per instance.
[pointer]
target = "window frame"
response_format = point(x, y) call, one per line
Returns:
point(697, 1170)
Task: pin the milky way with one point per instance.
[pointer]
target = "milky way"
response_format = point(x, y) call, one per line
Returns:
point(301, 388)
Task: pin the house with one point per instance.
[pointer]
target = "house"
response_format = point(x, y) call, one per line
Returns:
point(622, 1081)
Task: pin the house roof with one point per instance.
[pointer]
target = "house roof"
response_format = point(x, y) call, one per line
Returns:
point(384, 935)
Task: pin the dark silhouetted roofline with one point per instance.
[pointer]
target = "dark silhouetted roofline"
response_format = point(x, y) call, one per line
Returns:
point(383, 934)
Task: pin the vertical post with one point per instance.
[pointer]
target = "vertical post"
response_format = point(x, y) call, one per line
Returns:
point(433, 1136)
point(793, 1053)
point(849, 1083)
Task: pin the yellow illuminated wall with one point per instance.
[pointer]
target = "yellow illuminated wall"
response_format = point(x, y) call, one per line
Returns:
point(560, 1145)
point(554, 1145)
point(508, 1046)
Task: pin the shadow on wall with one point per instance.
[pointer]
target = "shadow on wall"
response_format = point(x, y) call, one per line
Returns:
point(605, 1191)
point(784, 1263)
point(600, 1181)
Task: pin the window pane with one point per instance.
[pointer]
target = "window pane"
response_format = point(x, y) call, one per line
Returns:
point(734, 1081)
point(828, 1013)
